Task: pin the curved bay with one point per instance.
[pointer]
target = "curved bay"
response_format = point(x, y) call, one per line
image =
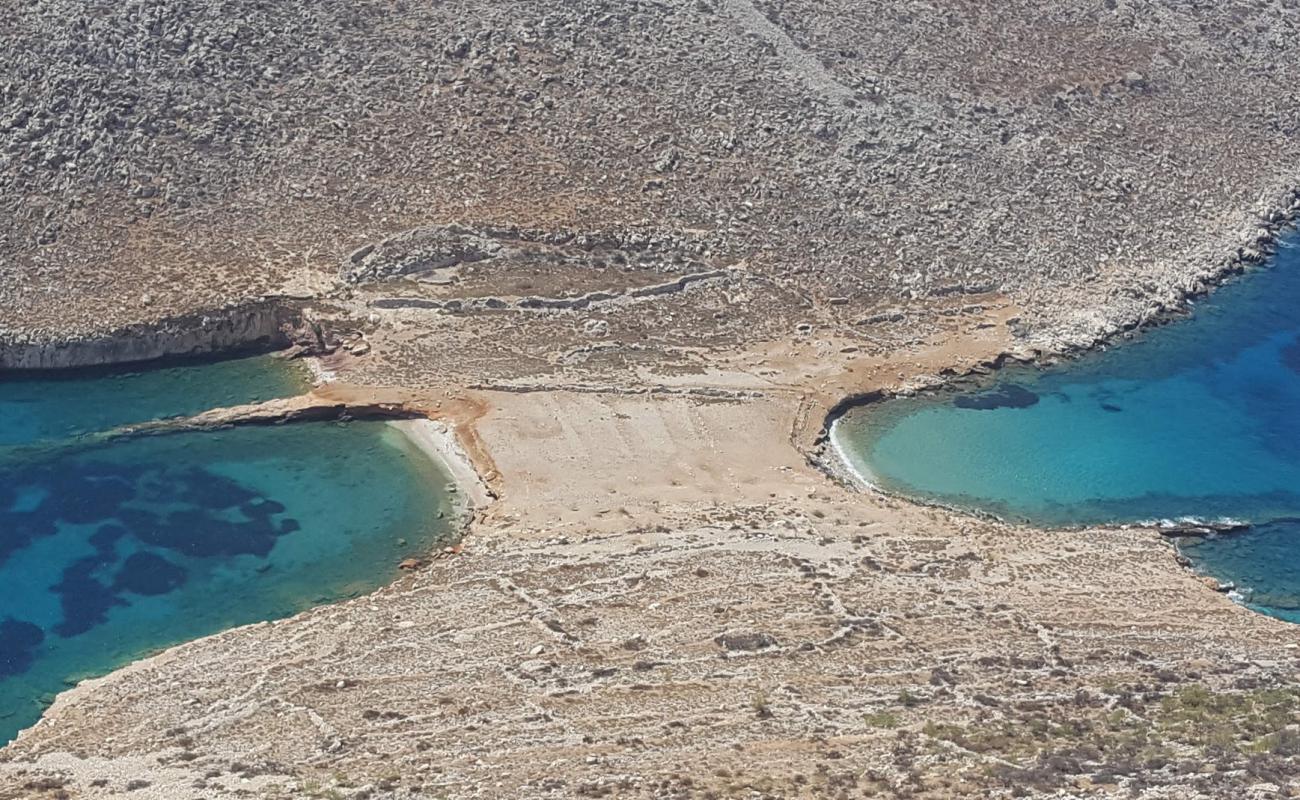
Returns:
point(1199, 418)
point(110, 552)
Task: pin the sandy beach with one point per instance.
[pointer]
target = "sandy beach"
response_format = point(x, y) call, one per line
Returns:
point(438, 441)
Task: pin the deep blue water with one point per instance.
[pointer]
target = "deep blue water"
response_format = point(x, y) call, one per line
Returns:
point(109, 552)
point(1198, 418)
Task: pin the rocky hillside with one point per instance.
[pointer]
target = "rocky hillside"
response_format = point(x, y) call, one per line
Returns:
point(159, 157)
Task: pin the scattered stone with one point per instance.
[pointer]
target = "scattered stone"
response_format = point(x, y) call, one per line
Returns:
point(745, 642)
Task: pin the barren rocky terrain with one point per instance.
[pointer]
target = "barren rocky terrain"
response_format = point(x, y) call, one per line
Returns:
point(632, 253)
point(858, 161)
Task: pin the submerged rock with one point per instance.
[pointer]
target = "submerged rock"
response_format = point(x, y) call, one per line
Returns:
point(1008, 396)
point(149, 574)
point(84, 600)
point(83, 499)
point(18, 640)
point(262, 508)
point(19, 528)
point(209, 490)
point(106, 537)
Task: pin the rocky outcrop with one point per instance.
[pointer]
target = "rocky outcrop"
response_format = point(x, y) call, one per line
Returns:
point(262, 326)
point(418, 250)
point(531, 303)
point(430, 248)
point(310, 407)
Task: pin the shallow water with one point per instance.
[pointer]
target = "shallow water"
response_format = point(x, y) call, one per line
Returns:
point(84, 401)
point(1197, 418)
point(110, 552)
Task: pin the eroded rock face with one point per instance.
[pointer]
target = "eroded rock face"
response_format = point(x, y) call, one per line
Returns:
point(264, 325)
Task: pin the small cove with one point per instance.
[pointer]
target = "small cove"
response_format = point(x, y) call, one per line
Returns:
point(110, 552)
point(1199, 418)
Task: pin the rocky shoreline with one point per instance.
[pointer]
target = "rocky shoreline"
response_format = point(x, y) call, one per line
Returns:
point(258, 326)
point(495, 533)
point(1255, 243)
point(1274, 223)
point(1169, 304)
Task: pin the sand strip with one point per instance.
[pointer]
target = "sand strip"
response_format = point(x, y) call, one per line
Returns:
point(437, 440)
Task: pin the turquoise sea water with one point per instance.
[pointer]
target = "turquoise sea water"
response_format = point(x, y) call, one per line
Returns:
point(110, 552)
point(1199, 418)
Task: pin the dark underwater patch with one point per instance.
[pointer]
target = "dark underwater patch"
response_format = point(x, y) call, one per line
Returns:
point(201, 530)
point(262, 508)
point(204, 529)
point(149, 574)
point(19, 528)
point(198, 534)
point(86, 593)
point(85, 601)
point(105, 539)
point(208, 490)
point(18, 643)
point(1291, 356)
point(1111, 407)
point(82, 498)
point(1007, 396)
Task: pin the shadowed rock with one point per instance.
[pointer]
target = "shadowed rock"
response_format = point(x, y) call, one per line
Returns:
point(745, 642)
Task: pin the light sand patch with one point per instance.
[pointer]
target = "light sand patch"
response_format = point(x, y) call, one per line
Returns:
point(438, 441)
point(600, 462)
